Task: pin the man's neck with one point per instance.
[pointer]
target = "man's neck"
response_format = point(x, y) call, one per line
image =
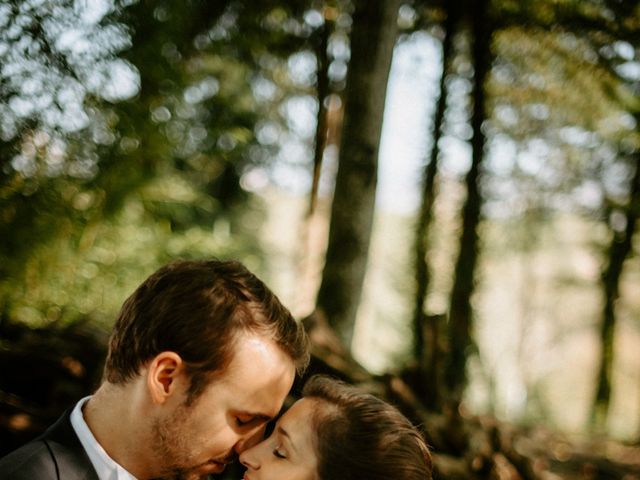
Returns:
point(112, 415)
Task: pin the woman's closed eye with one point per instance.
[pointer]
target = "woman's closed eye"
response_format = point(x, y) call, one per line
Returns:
point(279, 453)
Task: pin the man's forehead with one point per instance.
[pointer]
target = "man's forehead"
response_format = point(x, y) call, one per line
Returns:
point(253, 351)
point(258, 376)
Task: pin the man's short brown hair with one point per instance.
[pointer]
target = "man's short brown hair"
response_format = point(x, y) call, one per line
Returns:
point(196, 309)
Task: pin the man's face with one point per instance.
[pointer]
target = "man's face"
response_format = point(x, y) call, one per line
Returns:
point(229, 416)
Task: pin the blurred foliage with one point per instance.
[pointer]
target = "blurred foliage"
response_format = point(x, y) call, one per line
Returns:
point(125, 130)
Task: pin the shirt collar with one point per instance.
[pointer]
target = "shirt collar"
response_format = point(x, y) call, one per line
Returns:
point(105, 466)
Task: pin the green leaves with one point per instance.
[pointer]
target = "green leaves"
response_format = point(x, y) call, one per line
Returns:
point(126, 128)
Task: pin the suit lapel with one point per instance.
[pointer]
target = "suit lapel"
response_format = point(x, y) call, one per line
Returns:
point(71, 460)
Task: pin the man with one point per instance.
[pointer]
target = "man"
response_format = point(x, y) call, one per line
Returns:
point(201, 357)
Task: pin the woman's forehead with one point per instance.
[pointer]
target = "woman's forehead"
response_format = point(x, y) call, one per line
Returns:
point(298, 419)
point(301, 410)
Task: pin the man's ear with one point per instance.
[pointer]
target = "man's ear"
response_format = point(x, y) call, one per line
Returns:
point(163, 374)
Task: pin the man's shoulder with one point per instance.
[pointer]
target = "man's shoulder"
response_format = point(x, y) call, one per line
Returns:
point(31, 461)
point(57, 454)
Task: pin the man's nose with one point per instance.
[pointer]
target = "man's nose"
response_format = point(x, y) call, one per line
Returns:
point(248, 440)
point(249, 458)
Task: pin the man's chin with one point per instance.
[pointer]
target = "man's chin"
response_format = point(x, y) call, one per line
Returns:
point(201, 472)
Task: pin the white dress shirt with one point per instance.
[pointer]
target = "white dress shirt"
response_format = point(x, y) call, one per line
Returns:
point(104, 465)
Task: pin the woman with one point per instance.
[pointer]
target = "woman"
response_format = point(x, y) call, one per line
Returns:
point(336, 432)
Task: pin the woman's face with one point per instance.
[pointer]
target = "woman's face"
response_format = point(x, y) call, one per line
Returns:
point(288, 454)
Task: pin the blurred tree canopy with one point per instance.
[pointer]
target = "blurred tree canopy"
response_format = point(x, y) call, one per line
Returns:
point(137, 121)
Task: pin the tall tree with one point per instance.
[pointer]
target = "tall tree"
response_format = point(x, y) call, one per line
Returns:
point(373, 37)
point(322, 92)
point(611, 28)
point(616, 39)
point(426, 357)
point(460, 310)
point(619, 249)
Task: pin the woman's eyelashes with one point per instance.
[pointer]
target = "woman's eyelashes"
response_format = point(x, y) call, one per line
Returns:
point(279, 453)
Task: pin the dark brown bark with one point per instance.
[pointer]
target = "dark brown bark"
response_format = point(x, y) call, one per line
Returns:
point(619, 250)
point(427, 355)
point(373, 37)
point(460, 311)
point(322, 92)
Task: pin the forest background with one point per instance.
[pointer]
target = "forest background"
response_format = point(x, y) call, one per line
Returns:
point(448, 190)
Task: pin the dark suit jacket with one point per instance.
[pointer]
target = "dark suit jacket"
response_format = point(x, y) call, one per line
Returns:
point(56, 455)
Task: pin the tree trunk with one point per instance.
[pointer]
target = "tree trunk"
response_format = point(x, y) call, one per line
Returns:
point(373, 37)
point(427, 358)
point(460, 311)
point(621, 245)
point(322, 91)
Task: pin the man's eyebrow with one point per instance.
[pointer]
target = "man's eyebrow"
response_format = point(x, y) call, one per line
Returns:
point(285, 434)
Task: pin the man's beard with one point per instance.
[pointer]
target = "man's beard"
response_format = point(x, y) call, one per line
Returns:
point(183, 476)
point(173, 455)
